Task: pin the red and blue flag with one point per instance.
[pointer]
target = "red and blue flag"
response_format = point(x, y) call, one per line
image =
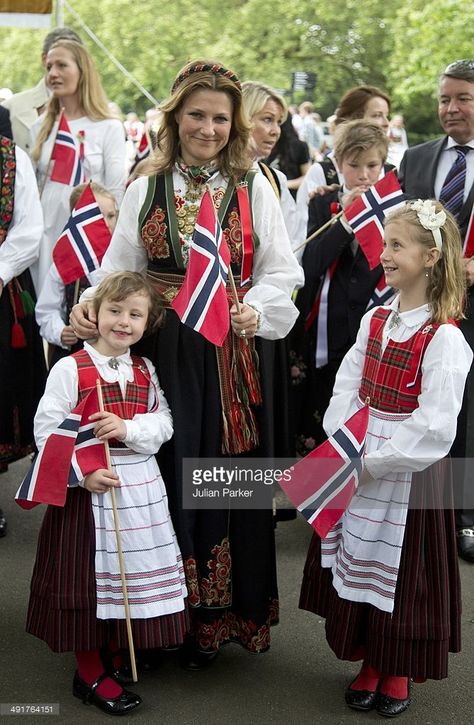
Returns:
point(367, 213)
point(68, 159)
point(202, 301)
point(69, 454)
point(83, 241)
point(323, 483)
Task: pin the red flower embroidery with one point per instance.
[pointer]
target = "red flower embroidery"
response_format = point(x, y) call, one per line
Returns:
point(154, 235)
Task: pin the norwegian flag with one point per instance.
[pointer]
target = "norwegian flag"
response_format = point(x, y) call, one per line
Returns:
point(67, 167)
point(383, 294)
point(367, 213)
point(323, 483)
point(202, 302)
point(83, 241)
point(69, 454)
point(144, 148)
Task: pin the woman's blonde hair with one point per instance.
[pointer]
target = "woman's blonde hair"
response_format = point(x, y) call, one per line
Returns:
point(91, 95)
point(446, 292)
point(255, 95)
point(233, 160)
point(355, 137)
point(117, 286)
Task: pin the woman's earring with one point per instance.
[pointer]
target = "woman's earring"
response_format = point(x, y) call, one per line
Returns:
point(427, 274)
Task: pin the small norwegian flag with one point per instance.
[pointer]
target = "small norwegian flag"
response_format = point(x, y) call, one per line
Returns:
point(202, 302)
point(68, 166)
point(83, 241)
point(322, 485)
point(367, 213)
point(144, 148)
point(70, 453)
point(382, 294)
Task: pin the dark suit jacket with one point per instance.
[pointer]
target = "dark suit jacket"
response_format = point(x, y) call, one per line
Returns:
point(351, 286)
point(5, 125)
point(417, 175)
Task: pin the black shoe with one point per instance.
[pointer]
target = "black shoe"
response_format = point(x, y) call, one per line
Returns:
point(3, 524)
point(465, 542)
point(122, 705)
point(193, 659)
point(391, 706)
point(360, 699)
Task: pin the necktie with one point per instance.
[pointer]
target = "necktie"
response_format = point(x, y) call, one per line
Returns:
point(452, 192)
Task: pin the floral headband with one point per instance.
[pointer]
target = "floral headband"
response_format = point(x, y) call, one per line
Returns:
point(430, 219)
point(214, 68)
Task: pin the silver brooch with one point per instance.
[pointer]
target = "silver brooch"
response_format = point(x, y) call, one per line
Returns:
point(113, 363)
point(395, 320)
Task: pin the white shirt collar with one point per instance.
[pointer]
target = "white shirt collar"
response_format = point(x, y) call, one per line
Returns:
point(451, 143)
point(100, 359)
point(411, 318)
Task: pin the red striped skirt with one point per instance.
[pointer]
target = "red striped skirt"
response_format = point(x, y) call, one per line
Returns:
point(413, 641)
point(62, 606)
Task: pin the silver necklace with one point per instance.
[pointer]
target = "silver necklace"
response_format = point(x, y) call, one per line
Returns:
point(113, 363)
point(395, 320)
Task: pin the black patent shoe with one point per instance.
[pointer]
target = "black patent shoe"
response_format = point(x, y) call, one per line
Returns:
point(391, 706)
point(465, 544)
point(190, 658)
point(121, 705)
point(360, 699)
point(3, 524)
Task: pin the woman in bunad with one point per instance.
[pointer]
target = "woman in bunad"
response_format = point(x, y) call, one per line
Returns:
point(77, 94)
point(229, 555)
point(22, 366)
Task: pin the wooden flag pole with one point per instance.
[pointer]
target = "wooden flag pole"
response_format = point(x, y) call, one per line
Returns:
point(320, 230)
point(119, 549)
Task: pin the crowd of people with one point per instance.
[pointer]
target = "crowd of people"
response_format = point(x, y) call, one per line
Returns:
point(316, 334)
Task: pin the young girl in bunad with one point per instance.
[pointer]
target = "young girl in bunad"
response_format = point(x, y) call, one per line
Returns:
point(386, 577)
point(76, 601)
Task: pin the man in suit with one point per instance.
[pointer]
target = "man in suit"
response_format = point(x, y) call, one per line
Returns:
point(25, 107)
point(423, 172)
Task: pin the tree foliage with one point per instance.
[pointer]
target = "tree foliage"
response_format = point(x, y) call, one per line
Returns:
point(400, 46)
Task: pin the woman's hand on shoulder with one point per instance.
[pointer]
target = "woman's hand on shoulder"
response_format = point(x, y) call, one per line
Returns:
point(101, 481)
point(83, 320)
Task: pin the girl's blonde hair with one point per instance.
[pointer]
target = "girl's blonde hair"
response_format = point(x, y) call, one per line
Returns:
point(233, 161)
point(446, 292)
point(117, 286)
point(76, 193)
point(91, 95)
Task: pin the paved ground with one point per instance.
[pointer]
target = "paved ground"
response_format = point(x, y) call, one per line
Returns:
point(298, 681)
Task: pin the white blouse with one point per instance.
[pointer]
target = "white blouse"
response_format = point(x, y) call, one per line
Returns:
point(276, 272)
point(145, 432)
point(21, 245)
point(428, 433)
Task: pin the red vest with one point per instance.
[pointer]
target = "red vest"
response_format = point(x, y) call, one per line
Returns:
point(136, 397)
point(392, 380)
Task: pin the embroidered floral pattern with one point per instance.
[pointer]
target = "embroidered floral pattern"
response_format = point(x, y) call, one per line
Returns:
point(216, 588)
point(231, 627)
point(217, 196)
point(297, 368)
point(154, 235)
point(192, 582)
point(233, 236)
point(7, 162)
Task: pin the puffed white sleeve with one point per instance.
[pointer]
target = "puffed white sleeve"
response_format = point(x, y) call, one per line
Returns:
point(146, 432)
point(114, 159)
point(427, 435)
point(276, 272)
point(21, 245)
point(50, 308)
point(288, 209)
point(343, 402)
point(59, 398)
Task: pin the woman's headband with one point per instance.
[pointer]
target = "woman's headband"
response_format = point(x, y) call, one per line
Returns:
point(430, 219)
point(214, 68)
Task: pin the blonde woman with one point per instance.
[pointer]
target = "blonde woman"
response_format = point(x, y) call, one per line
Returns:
point(77, 92)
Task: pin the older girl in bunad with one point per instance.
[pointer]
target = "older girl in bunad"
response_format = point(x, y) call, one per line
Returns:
point(76, 601)
point(386, 577)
